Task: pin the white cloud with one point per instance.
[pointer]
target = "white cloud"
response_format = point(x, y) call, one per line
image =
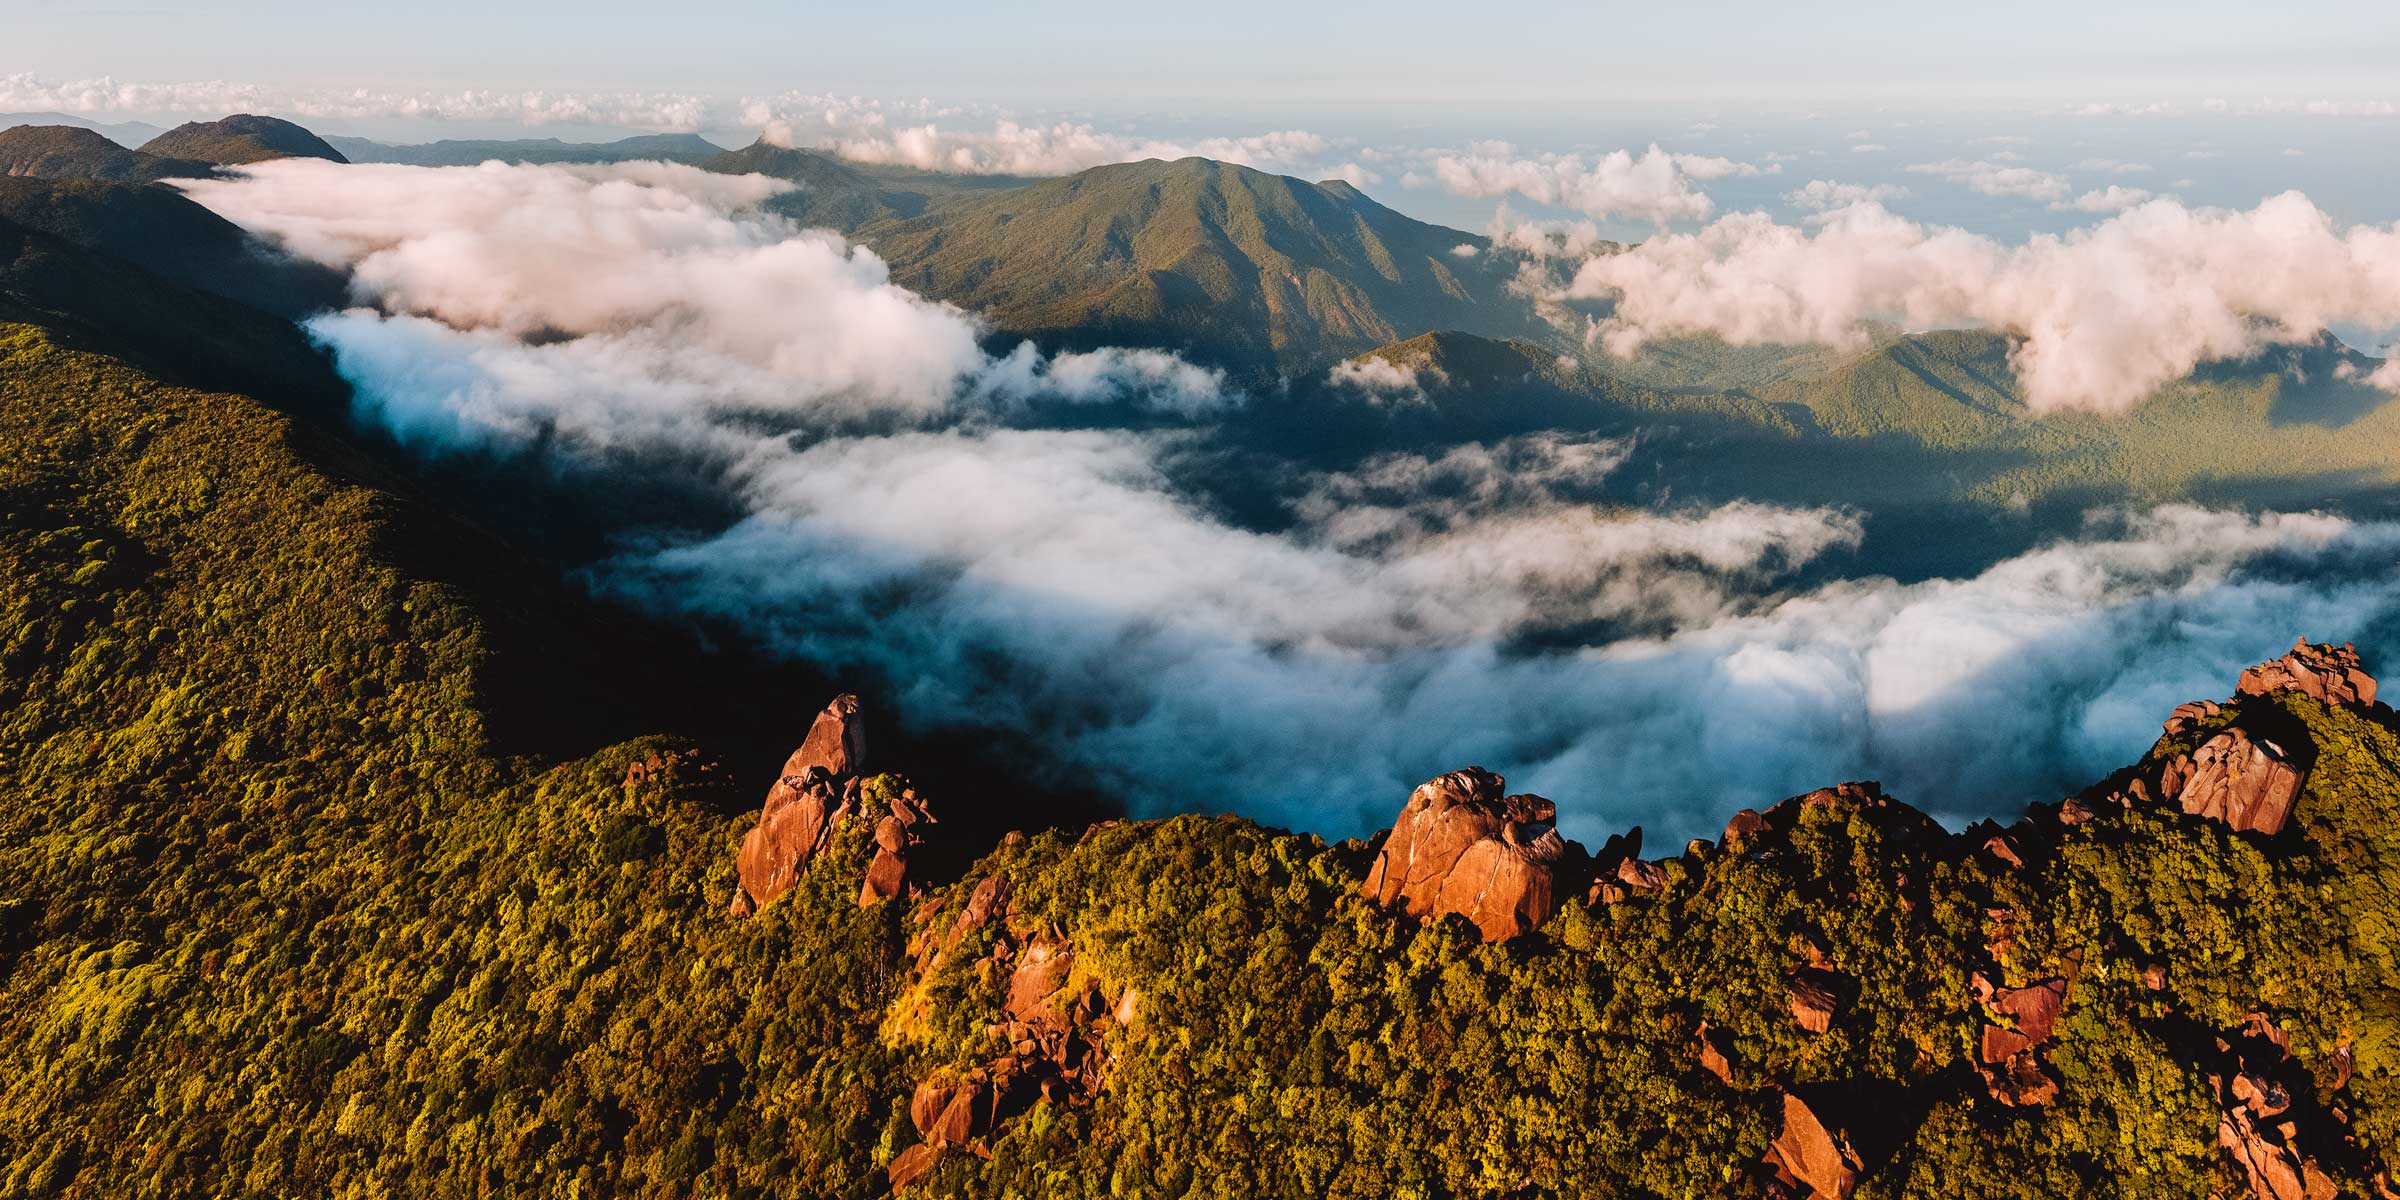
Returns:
point(602, 303)
point(1997, 179)
point(1654, 186)
point(2112, 199)
point(1383, 379)
point(1869, 148)
point(2112, 165)
point(1825, 195)
point(2106, 315)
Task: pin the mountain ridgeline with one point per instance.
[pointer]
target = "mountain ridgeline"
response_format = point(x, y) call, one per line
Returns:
point(350, 852)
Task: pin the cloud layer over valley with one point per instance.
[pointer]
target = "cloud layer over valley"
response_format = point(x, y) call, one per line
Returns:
point(1015, 539)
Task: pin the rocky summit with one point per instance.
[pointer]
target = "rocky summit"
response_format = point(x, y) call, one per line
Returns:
point(1462, 847)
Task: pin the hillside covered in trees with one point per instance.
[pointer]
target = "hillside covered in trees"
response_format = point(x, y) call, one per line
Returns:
point(284, 912)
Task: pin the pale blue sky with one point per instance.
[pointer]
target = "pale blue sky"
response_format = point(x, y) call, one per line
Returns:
point(1230, 56)
point(1865, 94)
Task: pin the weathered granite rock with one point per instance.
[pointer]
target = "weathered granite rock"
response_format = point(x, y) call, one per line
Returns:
point(1459, 846)
point(817, 788)
point(2267, 1114)
point(2332, 674)
point(898, 834)
point(1814, 997)
point(2248, 785)
point(1809, 1154)
point(2032, 1013)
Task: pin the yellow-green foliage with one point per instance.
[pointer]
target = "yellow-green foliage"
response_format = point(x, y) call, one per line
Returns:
point(275, 920)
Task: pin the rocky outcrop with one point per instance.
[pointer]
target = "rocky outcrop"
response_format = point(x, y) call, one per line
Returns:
point(1811, 1159)
point(2332, 674)
point(2267, 1117)
point(1462, 847)
point(2248, 785)
point(897, 835)
point(817, 788)
point(2009, 1062)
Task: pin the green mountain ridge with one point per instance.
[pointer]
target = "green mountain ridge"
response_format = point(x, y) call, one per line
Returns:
point(240, 139)
point(70, 152)
point(1230, 265)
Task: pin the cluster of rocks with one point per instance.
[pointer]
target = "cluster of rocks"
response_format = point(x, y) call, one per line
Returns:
point(654, 770)
point(2008, 1057)
point(2239, 775)
point(820, 784)
point(2332, 674)
point(1050, 1043)
point(2266, 1118)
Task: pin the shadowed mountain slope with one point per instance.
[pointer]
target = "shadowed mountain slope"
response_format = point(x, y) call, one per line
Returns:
point(70, 152)
point(238, 139)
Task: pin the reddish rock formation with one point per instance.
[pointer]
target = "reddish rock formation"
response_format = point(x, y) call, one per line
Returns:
point(2266, 1116)
point(910, 1165)
point(1809, 1155)
point(2032, 1013)
point(1715, 1050)
point(900, 831)
point(2332, 674)
point(2249, 785)
point(817, 789)
point(1814, 1000)
point(1459, 846)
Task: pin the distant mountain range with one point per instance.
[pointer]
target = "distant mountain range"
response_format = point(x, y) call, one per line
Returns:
point(664, 147)
point(129, 134)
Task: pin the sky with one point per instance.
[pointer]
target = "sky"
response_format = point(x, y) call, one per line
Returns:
point(1257, 55)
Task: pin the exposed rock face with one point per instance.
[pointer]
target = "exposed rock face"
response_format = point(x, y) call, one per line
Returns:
point(1814, 1000)
point(2332, 674)
point(1809, 1155)
point(898, 833)
point(2011, 1067)
point(818, 787)
point(2249, 785)
point(2267, 1114)
point(1715, 1052)
point(1460, 846)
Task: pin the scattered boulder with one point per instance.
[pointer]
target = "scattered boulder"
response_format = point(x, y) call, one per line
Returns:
point(1808, 1154)
point(1460, 846)
point(1814, 998)
point(2332, 674)
point(1715, 1050)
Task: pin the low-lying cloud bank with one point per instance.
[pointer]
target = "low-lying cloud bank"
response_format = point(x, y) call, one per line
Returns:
point(2108, 314)
point(910, 510)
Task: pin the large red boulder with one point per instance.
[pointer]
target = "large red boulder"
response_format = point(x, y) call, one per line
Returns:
point(1810, 1155)
point(818, 787)
point(1460, 846)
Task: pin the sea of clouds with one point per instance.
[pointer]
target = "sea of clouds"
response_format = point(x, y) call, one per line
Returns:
point(976, 524)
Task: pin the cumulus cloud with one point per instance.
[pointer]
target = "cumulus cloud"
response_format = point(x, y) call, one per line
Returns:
point(1997, 179)
point(2106, 314)
point(1383, 379)
point(1654, 186)
point(2111, 199)
point(1825, 195)
point(682, 112)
